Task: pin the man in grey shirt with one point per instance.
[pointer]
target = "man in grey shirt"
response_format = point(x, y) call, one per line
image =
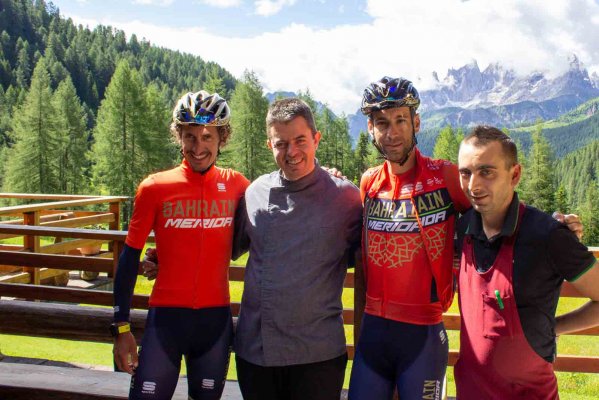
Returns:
point(301, 227)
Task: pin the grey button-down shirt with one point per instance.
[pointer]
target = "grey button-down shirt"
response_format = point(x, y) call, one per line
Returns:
point(301, 236)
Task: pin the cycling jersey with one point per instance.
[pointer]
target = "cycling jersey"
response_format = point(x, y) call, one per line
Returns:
point(408, 239)
point(191, 214)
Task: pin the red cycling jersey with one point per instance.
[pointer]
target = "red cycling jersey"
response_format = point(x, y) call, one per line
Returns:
point(192, 217)
point(408, 239)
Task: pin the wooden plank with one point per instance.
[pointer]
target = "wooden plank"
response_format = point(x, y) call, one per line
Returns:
point(64, 247)
point(82, 221)
point(73, 263)
point(37, 196)
point(67, 295)
point(42, 382)
point(60, 204)
point(63, 232)
point(16, 278)
point(63, 321)
point(32, 243)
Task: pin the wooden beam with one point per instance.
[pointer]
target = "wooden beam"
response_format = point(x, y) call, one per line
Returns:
point(43, 382)
point(64, 247)
point(60, 204)
point(32, 243)
point(73, 263)
point(63, 232)
point(82, 221)
point(67, 295)
point(63, 321)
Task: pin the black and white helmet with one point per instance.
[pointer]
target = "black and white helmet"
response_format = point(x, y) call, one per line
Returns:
point(201, 108)
point(389, 93)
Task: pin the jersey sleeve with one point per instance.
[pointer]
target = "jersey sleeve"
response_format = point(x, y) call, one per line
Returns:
point(452, 177)
point(571, 258)
point(144, 213)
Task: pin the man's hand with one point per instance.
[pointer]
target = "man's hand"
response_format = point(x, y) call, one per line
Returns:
point(150, 264)
point(572, 221)
point(125, 352)
point(335, 172)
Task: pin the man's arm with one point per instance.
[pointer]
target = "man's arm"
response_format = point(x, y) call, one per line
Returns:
point(587, 315)
point(241, 241)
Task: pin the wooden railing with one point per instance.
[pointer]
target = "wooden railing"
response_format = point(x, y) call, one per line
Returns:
point(57, 216)
point(61, 220)
point(28, 318)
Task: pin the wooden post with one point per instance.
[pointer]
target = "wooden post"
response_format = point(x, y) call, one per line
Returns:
point(115, 247)
point(32, 244)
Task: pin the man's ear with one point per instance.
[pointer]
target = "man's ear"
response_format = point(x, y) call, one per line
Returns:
point(516, 174)
point(268, 143)
point(416, 123)
point(317, 137)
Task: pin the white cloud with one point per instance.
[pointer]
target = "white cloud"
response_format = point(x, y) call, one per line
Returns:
point(270, 7)
point(161, 3)
point(222, 3)
point(405, 37)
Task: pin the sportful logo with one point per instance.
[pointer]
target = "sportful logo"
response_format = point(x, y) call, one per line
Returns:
point(148, 387)
point(207, 383)
point(221, 187)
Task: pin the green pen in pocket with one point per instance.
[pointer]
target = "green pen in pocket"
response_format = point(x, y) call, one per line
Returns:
point(499, 300)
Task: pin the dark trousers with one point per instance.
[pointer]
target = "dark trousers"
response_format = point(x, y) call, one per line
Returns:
point(315, 381)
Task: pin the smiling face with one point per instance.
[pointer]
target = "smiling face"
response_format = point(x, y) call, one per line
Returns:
point(199, 145)
point(487, 178)
point(392, 130)
point(294, 147)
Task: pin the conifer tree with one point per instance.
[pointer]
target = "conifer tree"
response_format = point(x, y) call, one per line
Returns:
point(32, 162)
point(119, 153)
point(447, 145)
point(215, 84)
point(247, 151)
point(540, 186)
point(589, 214)
point(72, 133)
point(161, 150)
point(561, 202)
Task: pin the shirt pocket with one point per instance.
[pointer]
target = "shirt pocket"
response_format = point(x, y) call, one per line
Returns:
point(496, 321)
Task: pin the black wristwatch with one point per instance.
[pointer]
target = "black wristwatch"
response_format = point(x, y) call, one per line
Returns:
point(116, 330)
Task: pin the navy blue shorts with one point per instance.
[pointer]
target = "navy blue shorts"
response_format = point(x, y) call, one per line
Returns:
point(392, 354)
point(202, 336)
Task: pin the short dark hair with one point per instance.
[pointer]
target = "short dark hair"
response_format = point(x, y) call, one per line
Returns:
point(285, 110)
point(485, 134)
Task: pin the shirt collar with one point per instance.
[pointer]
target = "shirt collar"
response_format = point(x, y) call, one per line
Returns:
point(303, 182)
point(475, 225)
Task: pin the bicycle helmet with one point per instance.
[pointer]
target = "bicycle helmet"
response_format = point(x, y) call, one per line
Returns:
point(388, 93)
point(201, 108)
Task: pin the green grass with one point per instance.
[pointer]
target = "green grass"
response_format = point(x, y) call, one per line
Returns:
point(578, 386)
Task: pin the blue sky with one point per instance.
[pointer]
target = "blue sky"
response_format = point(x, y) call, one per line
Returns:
point(335, 48)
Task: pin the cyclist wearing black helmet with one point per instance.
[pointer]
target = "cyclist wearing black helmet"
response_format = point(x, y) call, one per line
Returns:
point(191, 209)
point(410, 204)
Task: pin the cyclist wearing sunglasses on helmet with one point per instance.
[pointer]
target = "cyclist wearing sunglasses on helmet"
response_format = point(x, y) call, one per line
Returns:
point(191, 209)
point(410, 204)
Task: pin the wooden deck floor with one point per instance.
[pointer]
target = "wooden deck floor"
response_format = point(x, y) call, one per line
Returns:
point(23, 378)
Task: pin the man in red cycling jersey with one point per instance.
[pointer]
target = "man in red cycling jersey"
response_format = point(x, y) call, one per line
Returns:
point(190, 208)
point(410, 206)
